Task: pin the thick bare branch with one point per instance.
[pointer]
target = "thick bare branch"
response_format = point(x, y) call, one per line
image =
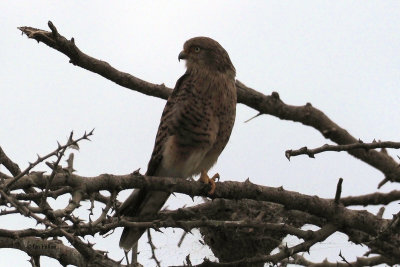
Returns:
point(310, 116)
point(38, 195)
point(54, 249)
point(38, 247)
point(90, 229)
point(78, 58)
point(376, 198)
point(360, 220)
point(11, 166)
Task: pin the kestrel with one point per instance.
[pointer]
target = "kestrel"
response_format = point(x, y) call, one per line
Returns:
point(195, 126)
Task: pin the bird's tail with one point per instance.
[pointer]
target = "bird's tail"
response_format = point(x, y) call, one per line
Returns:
point(141, 203)
point(130, 237)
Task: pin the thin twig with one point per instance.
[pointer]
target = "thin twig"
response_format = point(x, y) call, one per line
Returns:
point(59, 156)
point(24, 210)
point(103, 214)
point(153, 248)
point(41, 159)
point(344, 259)
point(338, 148)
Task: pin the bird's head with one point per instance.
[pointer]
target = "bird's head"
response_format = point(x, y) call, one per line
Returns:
point(203, 53)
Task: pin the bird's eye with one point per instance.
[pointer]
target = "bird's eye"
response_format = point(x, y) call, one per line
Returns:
point(196, 49)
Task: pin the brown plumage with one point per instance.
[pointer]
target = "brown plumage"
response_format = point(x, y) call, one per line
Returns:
point(195, 126)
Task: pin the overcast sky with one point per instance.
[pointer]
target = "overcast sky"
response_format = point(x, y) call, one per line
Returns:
point(341, 56)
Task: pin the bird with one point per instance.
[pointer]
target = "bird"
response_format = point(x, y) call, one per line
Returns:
point(194, 128)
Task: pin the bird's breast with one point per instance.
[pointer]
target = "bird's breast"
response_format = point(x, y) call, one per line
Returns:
point(181, 161)
point(200, 127)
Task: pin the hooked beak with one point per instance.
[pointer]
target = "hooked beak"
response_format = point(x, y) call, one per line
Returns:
point(182, 55)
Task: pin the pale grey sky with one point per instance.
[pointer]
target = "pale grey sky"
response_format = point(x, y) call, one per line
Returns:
point(342, 56)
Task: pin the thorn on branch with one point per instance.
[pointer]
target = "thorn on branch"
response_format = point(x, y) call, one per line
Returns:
point(136, 172)
point(344, 259)
point(184, 234)
point(275, 95)
point(288, 154)
point(384, 181)
point(188, 261)
point(259, 114)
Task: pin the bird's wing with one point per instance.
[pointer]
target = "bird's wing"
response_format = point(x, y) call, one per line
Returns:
point(133, 201)
point(164, 129)
point(143, 201)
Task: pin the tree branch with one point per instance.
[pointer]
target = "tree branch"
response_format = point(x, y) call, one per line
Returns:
point(361, 261)
point(360, 220)
point(311, 152)
point(153, 248)
point(376, 198)
point(56, 152)
point(84, 229)
point(12, 167)
point(39, 247)
point(53, 249)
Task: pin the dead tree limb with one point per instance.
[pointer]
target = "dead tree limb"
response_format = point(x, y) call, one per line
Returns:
point(338, 148)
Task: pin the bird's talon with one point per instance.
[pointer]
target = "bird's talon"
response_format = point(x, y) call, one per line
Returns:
point(204, 178)
point(213, 186)
point(215, 177)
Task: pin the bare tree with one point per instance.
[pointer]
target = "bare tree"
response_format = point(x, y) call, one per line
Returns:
point(243, 224)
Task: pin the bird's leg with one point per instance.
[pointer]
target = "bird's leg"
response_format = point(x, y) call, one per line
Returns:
point(204, 178)
point(134, 254)
point(126, 257)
